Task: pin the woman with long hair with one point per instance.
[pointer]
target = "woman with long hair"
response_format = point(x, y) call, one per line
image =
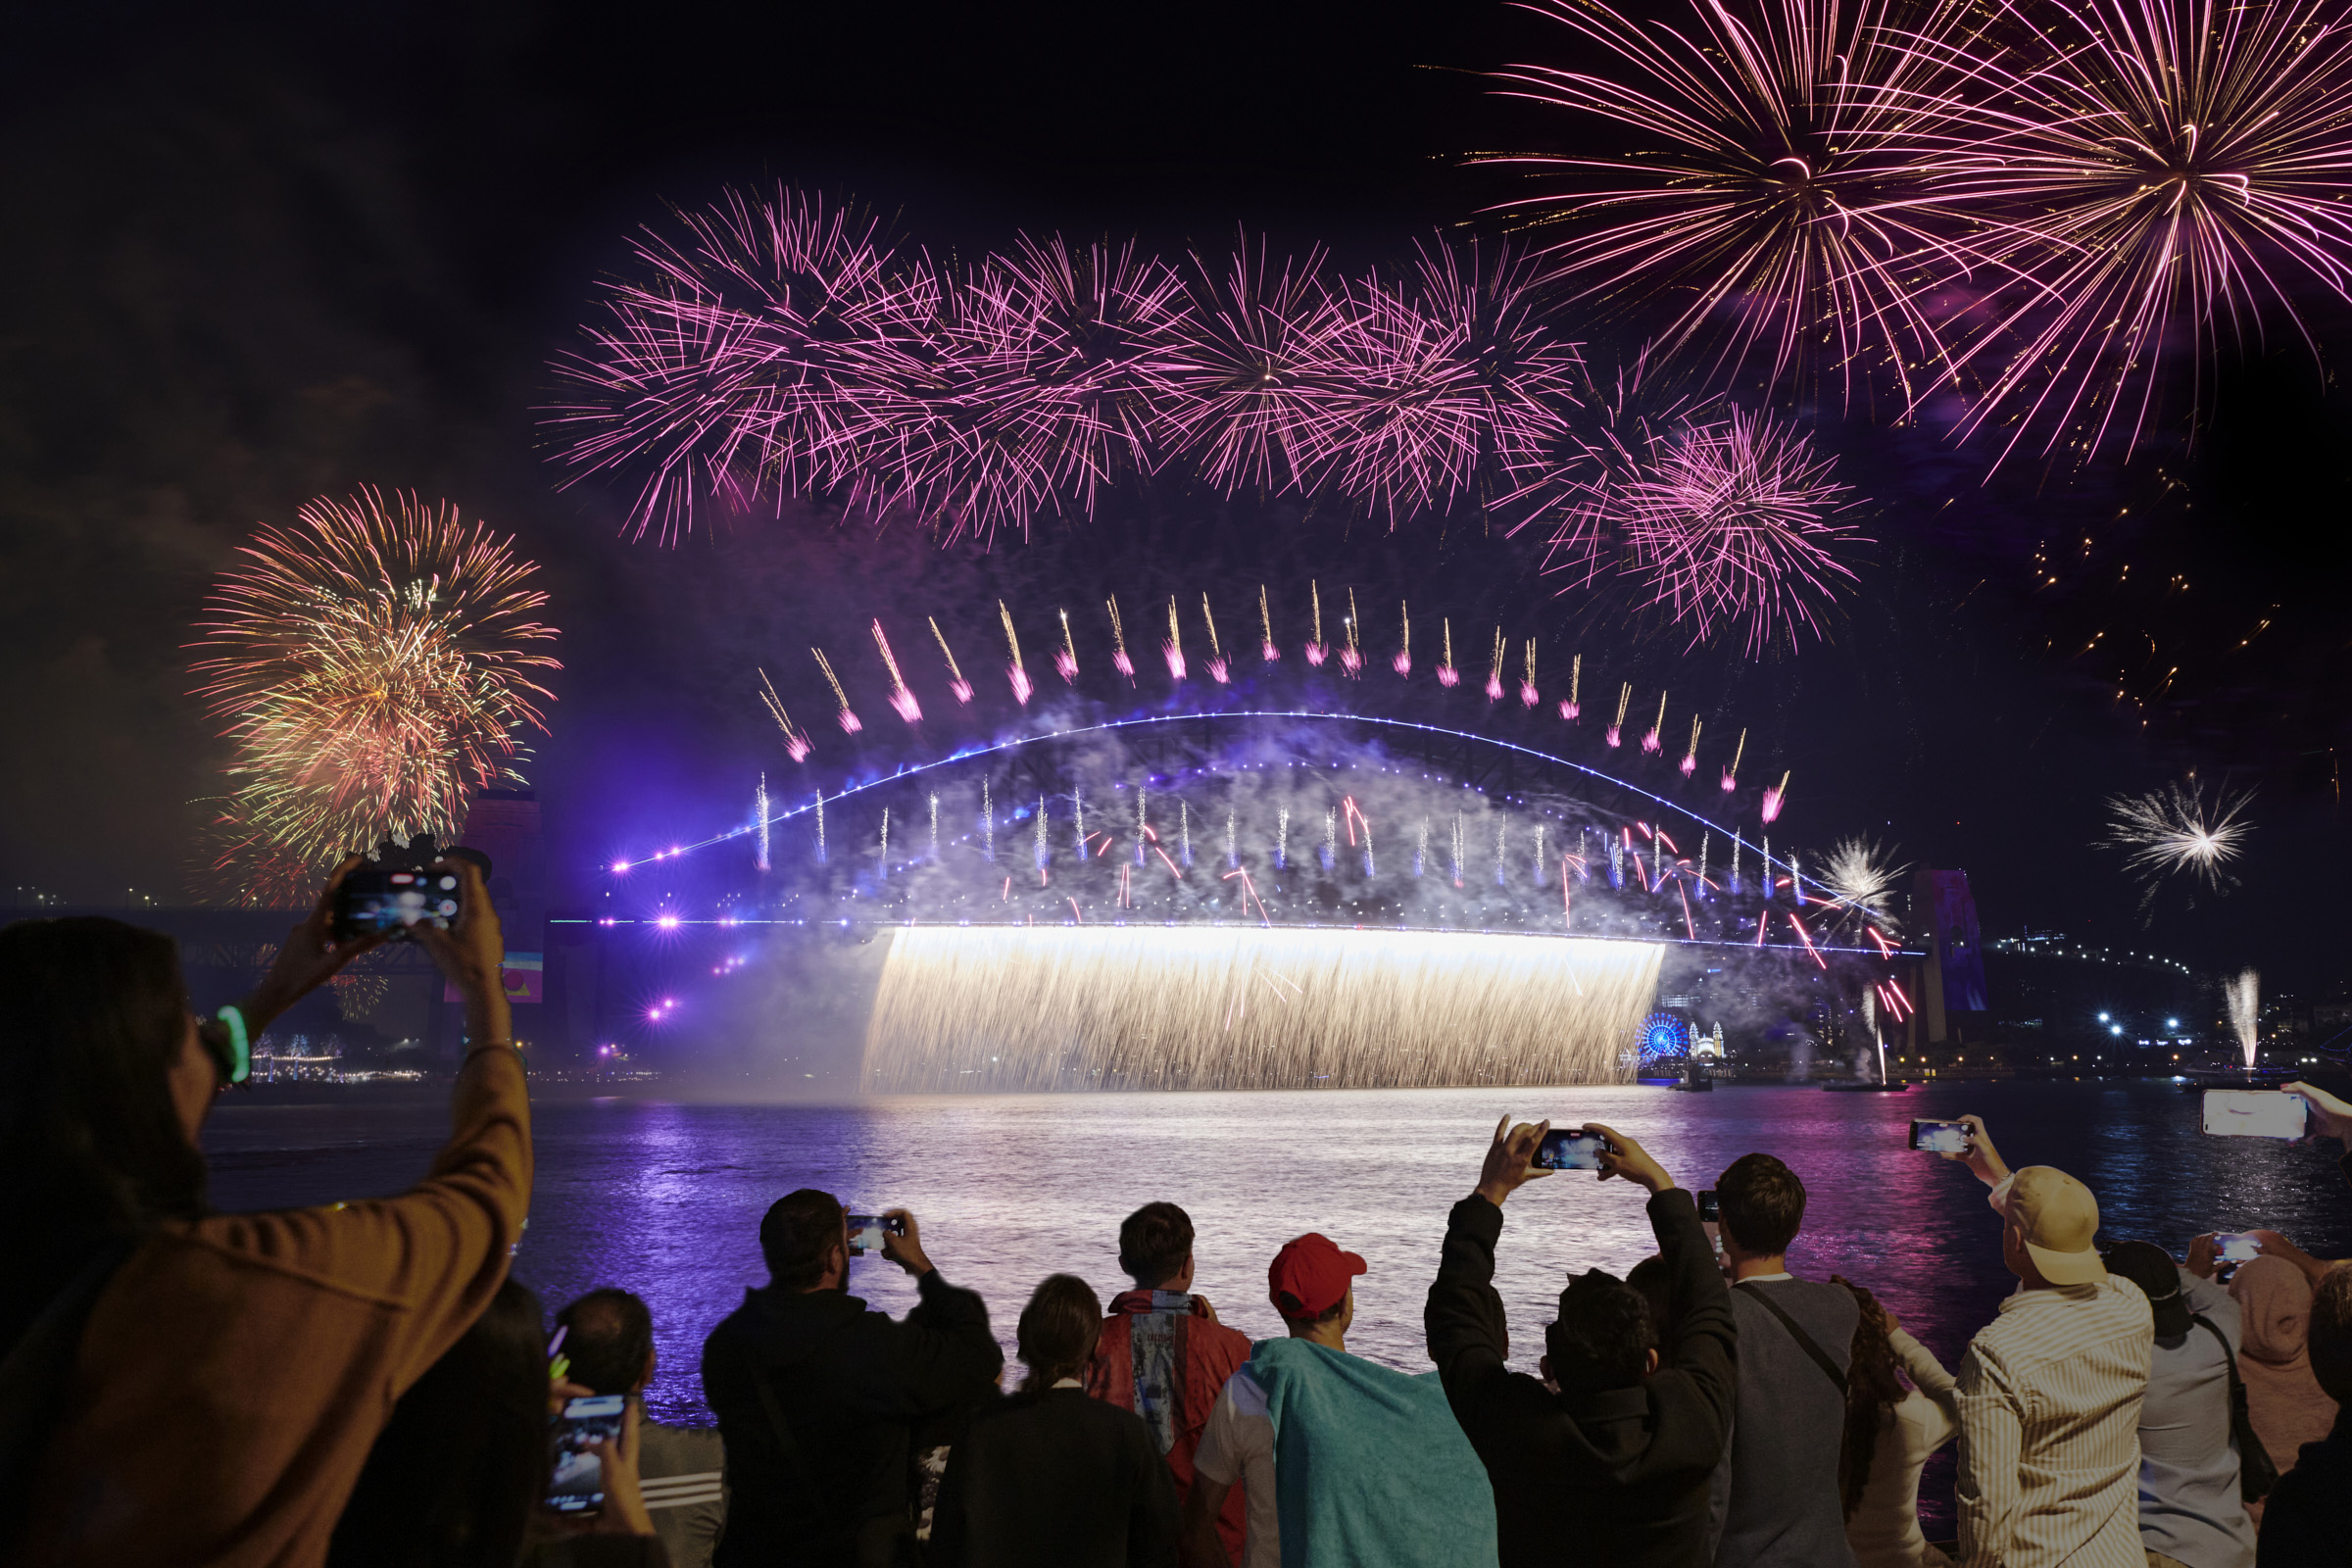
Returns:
point(1053, 1475)
point(187, 1388)
point(1890, 1432)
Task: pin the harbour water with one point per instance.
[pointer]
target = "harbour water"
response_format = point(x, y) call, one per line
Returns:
point(664, 1199)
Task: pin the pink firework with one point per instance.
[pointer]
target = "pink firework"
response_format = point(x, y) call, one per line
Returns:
point(2150, 175)
point(1448, 677)
point(1776, 797)
point(1402, 663)
point(1065, 665)
point(1773, 179)
point(1493, 688)
point(1221, 670)
point(1569, 710)
point(1735, 521)
point(900, 697)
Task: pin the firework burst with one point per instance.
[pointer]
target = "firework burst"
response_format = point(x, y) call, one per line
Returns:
point(2179, 830)
point(1860, 876)
point(373, 664)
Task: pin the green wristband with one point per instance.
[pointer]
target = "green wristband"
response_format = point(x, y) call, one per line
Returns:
point(240, 1045)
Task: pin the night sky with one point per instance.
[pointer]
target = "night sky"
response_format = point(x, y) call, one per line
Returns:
point(264, 254)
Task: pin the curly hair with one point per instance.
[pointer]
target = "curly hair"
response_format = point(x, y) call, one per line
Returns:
point(1871, 1389)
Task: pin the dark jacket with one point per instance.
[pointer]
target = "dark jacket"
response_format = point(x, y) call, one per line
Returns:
point(2307, 1519)
point(1601, 1479)
point(850, 1386)
point(1055, 1478)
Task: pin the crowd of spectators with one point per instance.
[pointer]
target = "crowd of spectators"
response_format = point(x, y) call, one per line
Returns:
point(362, 1384)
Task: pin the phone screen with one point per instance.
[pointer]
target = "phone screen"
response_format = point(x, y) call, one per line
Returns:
point(1710, 1211)
point(372, 902)
point(1939, 1137)
point(867, 1230)
point(2236, 1247)
point(1569, 1148)
point(2254, 1114)
point(577, 1485)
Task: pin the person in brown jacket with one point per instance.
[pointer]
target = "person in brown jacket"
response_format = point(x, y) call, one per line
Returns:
point(228, 1372)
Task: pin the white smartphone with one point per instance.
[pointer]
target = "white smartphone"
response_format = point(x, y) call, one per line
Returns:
point(2254, 1114)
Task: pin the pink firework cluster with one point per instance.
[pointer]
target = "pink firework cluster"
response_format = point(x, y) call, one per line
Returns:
point(778, 346)
point(2033, 207)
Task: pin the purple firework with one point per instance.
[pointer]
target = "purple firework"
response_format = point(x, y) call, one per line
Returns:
point(1735, 521)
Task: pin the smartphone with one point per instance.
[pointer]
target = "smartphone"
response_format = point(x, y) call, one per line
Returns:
point(576, 1484)
point(2254, 1114)
point(1710, 1212)
point(2235, 1246)
point(1569, 1148)
point(1939, 1137)
point(867, 1230)
point(370, 902)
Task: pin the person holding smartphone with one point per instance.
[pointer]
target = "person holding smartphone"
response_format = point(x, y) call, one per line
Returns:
point(220, 1377)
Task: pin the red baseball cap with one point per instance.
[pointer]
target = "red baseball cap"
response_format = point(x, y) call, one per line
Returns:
point(1309, 1276)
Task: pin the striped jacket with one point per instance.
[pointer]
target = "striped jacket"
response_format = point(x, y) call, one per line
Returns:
point(683, 1473)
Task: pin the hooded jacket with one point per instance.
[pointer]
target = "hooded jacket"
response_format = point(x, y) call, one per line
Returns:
point(1622, 1475)
point(1163, 1357)
point(852, 1386)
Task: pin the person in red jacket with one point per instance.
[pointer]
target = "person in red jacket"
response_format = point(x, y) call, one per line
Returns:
point(1164, 1355)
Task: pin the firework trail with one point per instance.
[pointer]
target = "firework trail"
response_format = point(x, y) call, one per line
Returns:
point(1015, 672)
point(1458, 849)
point(1774, 798)
point(796, 741)
point(1651, 739)
point(1040, 851)
point(1184, 833)
point(1118, 642)
point(935, 828)
point(882, 861)
point(1734, 878)
point(1330, 852)
point(759, 816)
point(1615, 733)
point(900, 697)
point(2177, 829)
point(2243, 992)
point(1690, 757)
point(372, 665)
point(1494, 674)
point(988, 823)
point(1220, 668)
point(1402, 663)
point(1233, 842)
point(1421, 849)
point(2150, 174)
point(955, 682)
point(1065, 661)
point(1282, 840)
point(1315, 649)
point(849, 722)
point(1570, 706)
point(1173, 649)
point(1352, 656)
point(1527, 696)
point(1773, 180)
point(1265, 628)
point(821, 827)
point(1859, 878)
point(1730, 774)
point(1447, 676)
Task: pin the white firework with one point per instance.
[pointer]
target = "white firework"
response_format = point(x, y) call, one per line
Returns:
point(1860, 875)
point(2177, 829)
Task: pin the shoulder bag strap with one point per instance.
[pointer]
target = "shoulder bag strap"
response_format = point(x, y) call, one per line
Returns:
point(2256, 1474)
point(1804, 1340)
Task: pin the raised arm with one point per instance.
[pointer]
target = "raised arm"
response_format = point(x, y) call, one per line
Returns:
point(1468, 1335)
point(947, 1355)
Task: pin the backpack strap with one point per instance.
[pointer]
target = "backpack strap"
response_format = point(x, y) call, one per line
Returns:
point(2256, 1474)
point(1804, 1342)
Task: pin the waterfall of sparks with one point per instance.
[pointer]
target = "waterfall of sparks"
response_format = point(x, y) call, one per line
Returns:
point(796, 741)
point(1265, 628)
point(2244, 993)
point(1495, 676)
point(1030, 1008)
point(1421, 849)
point(1652, 741)
point(1330, 853)
point(1220, 668)
point(1615, 733)
point(1447, 676)
point(1184, 834)
point(1282, 840)
point(1233, 843)
point(821, 827)
point(1066, 663)
point(1402, 663)
point(848, 720)
point(1118, 642)
point(1538, 854)
point(1017, 672)
point(1173, 649)
point(935, 828)
point(900, 697)
point(1775, 798)
point(1042, 852)
point(884, 862)
point(1352, 656)
point(988, 823)
point(1458, 849)
point(1730, 774)
point(1690, 757)
point(760, 811)
point(1314, 647)
point(1527, 681)
point(955, 682)
point(1575, 675)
